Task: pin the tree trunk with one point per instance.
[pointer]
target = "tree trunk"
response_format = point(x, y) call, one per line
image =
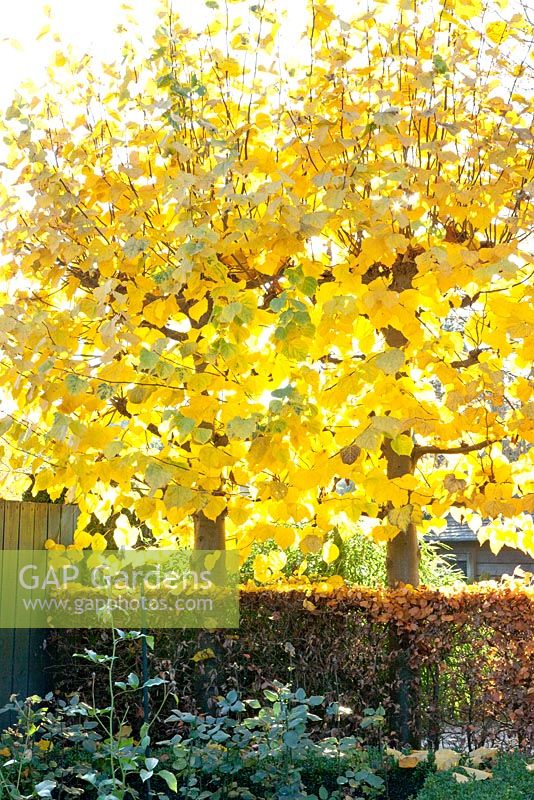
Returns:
point(402, 564)
point(402, 560)
point(209, 535)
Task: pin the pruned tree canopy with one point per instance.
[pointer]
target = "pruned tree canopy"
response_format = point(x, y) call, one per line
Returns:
point(270, 300)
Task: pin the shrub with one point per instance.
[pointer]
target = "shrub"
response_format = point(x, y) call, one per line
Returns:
point(62, 748)
point(271, 754)
point(361, 562)
point(510, 781)
point(245, 750)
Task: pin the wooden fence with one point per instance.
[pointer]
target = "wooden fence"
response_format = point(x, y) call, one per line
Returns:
point(26, 526)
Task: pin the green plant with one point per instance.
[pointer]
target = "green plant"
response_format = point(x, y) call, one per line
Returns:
point(404, 784)
point(273, 754)
point(63, 749)
point(361, 562)
point(510, 781)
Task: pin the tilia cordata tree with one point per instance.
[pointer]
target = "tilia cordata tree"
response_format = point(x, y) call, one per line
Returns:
point(262, 300)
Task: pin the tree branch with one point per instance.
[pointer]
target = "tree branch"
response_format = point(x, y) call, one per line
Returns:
point(423, 450)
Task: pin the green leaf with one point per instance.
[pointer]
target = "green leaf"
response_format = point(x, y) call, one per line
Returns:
point(370, 778)
point(44, 788)
point(176, 495)
point(284, 391)
point(113, 449)
point(184, 424)
point(315, 700)
point(148, 359)
point(240, 428)
point(169, 779)
point(291, 738)
point(220, 737)
point(46, 366)
point(277, 303)
point(202, 435)
point(440, 65)
point(369, 439)
point(75, 384)
point(5, 424)
point(308, 286)
point(157, 475)
point(105, 390)
point(154, 682)
point(133, 680)
point(59, 429)
point(230, 312)
point(132, 247)
point(390, 361)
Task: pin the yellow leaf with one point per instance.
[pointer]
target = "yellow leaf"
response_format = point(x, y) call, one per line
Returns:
point(330, 552)
point(203, 655)
point(402, 445)
point(311, 544)
point(401, 517)
point(215, 507)
point(384, 533)
point(98, 543)
point(213, 457)
point(477, 774)
point(124, 732)
point(408, 762)
point(497, 31)
point(44, 745)
point(284, 537)
point(459, 778)
point(82, 539)
point(44, 30)
point(413, 759)
point(389, 425)
point(198, 309)
point(369, 439)
point(125, 534)
point(445, 758)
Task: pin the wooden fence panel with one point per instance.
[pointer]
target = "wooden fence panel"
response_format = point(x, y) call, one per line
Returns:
point(26, 526)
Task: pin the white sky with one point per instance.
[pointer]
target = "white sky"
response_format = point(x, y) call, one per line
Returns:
point(89, 25)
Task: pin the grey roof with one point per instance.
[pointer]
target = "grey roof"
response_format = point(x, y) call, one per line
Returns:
point(454, 532)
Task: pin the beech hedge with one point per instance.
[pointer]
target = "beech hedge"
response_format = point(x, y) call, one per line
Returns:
point(472, 650)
